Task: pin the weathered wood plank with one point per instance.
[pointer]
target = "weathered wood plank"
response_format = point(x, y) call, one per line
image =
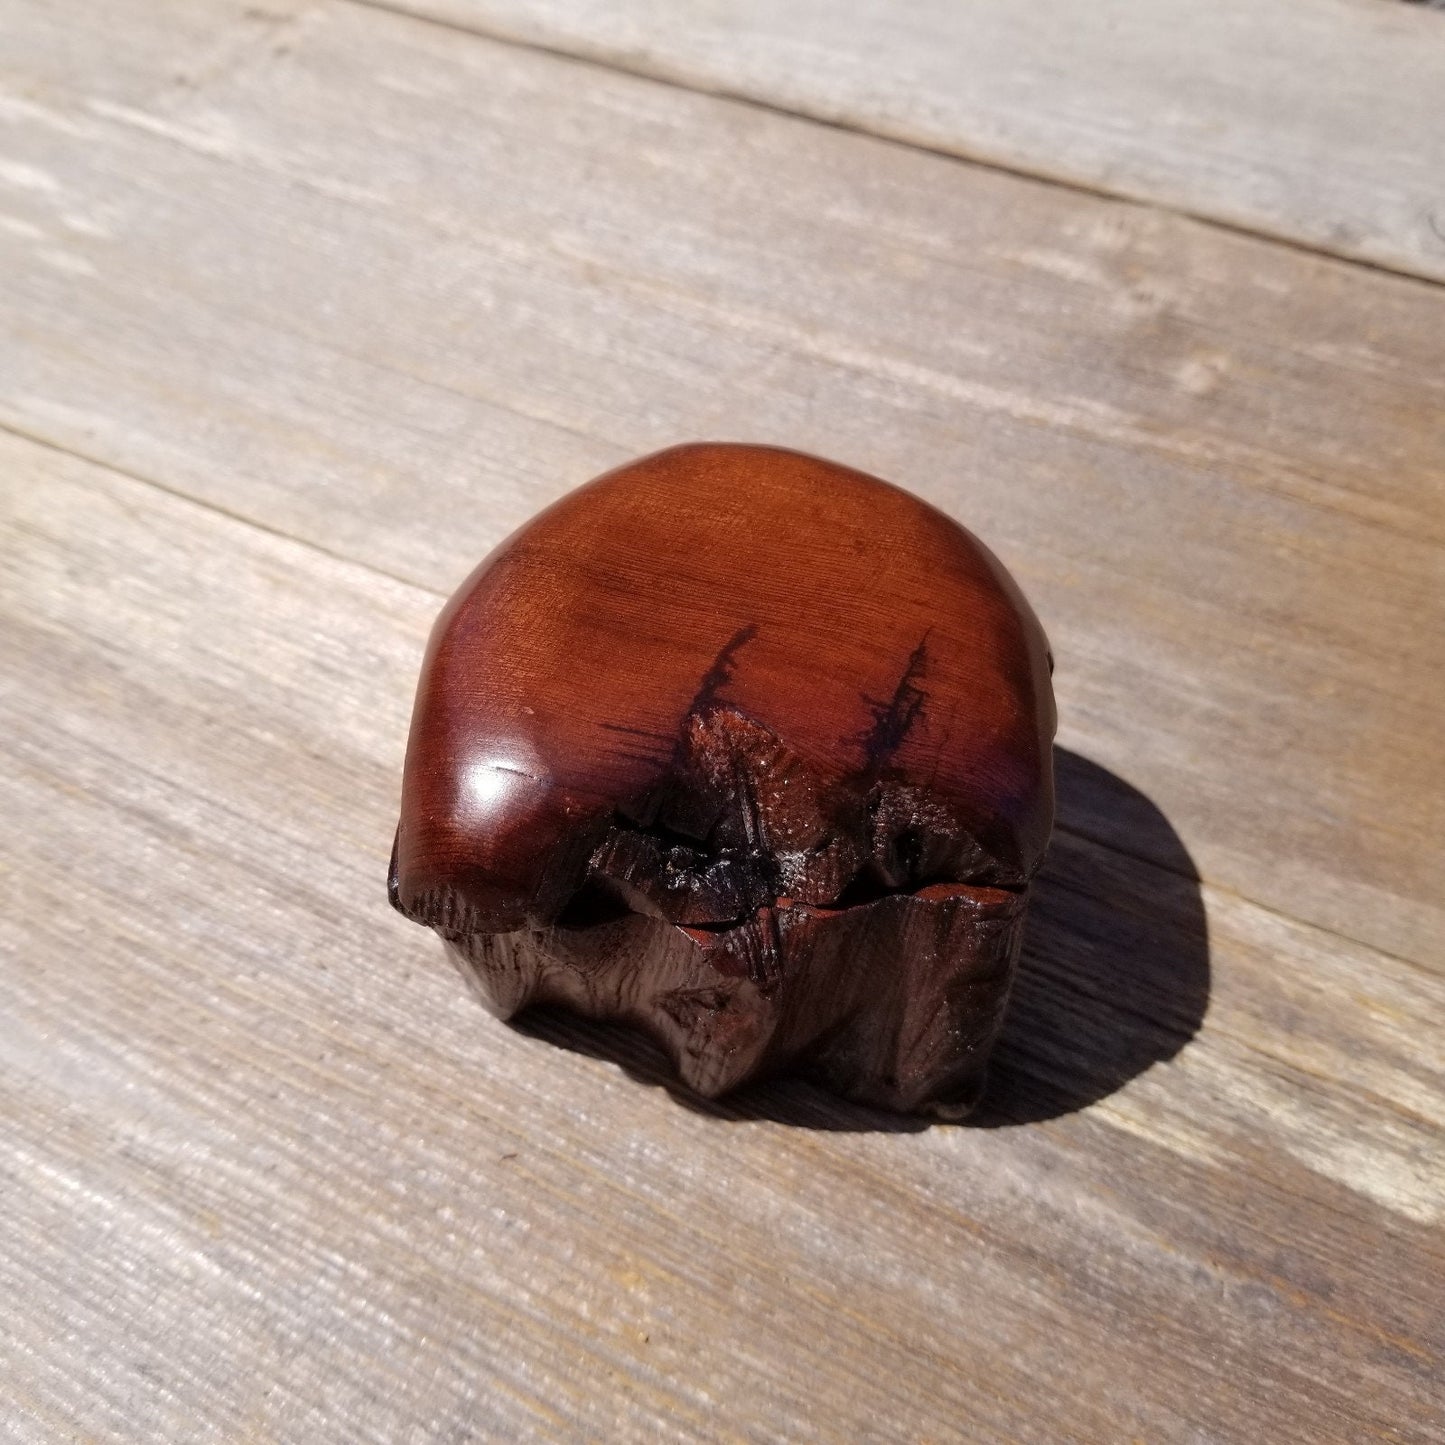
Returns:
point(269, 1174)
point(396, 328)
point(1316, 121)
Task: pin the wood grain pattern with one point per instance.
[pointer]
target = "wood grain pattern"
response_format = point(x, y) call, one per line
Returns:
point(1161, 430)
point(1316, 121)
point(269, 1174)
point(339, 298)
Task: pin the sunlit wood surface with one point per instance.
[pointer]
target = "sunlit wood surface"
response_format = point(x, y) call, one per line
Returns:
point(304, 306)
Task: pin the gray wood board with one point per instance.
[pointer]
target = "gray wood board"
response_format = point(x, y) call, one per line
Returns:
point(395, 328)
point(1318, 121)
point(270, 1174)
point(335, 299)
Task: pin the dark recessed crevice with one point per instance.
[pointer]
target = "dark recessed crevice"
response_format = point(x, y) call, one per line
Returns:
point(596, 902)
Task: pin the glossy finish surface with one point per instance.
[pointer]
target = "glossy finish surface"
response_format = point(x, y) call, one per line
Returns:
point(709, 742)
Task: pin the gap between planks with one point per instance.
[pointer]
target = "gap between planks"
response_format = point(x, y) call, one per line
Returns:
point(207, 504)
point(1123, 97)
point(959, 152)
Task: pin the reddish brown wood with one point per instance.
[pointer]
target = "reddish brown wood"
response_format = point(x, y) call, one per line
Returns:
point(751, 750)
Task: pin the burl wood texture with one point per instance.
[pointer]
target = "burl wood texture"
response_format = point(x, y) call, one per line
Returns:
point(752, 750)
point(334, 301)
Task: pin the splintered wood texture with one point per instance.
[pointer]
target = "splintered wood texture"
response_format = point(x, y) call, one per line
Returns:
point(352, 295)
point(1317, 121)
point(791, 723)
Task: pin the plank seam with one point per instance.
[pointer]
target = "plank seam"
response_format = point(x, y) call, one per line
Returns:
point(959, 155)
point(206, 505)
point(1257, 472)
